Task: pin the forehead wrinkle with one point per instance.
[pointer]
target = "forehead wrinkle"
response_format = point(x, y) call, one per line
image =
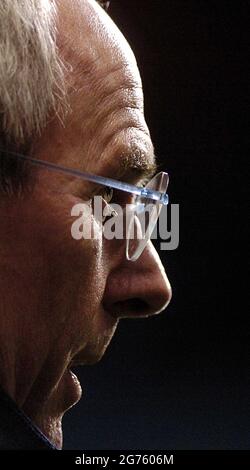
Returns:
point(108, 86)
point(102, 91)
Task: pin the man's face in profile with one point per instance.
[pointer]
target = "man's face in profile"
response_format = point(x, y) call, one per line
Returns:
point(71, 294)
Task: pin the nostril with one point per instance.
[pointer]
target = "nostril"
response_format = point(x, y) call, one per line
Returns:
point(135, 307)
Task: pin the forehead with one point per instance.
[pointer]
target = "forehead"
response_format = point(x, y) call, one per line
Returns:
point(106, 90)
point(87, 33)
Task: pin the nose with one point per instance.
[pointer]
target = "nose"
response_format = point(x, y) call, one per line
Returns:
point(138, 289)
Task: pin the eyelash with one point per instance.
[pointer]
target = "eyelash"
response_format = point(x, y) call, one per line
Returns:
point(110, 193)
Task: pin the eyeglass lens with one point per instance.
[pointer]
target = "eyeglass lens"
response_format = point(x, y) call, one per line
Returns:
point(144, 217)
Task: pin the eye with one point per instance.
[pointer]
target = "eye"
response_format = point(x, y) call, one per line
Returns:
point(107, 194)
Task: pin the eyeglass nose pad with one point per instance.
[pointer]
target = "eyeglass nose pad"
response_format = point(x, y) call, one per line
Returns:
point(160, 181)
point(134, 236)
point(140, 208)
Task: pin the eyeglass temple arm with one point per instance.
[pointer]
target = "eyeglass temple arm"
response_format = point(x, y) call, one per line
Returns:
point(115, 184)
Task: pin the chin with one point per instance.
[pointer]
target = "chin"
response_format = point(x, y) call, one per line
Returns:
point(67, 392)
point(47, 415)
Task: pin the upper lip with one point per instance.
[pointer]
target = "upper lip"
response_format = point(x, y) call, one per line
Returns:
point(79, 357)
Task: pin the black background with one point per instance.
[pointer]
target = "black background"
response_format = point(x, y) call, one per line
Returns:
point(180, 380)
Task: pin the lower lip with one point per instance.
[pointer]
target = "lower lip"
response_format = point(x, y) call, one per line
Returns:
point(73, 389)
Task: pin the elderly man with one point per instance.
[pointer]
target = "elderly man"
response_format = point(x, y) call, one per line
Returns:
point(70, 98)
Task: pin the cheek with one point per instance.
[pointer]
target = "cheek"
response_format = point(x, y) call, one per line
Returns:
point(56, 222)
point(72, 272)
point(76, 267)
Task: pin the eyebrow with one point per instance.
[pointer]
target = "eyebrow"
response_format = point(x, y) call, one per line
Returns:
point(138, 165)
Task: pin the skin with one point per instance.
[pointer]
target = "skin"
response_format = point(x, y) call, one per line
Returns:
point(61, 299)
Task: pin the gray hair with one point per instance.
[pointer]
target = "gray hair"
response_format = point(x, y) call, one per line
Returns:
point(32, 84)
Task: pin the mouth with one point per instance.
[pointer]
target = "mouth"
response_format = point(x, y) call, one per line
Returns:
point(76, 361)
point(89, 354)
point(93, 348)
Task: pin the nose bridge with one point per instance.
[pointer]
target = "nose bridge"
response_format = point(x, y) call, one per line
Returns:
point(138, 288)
